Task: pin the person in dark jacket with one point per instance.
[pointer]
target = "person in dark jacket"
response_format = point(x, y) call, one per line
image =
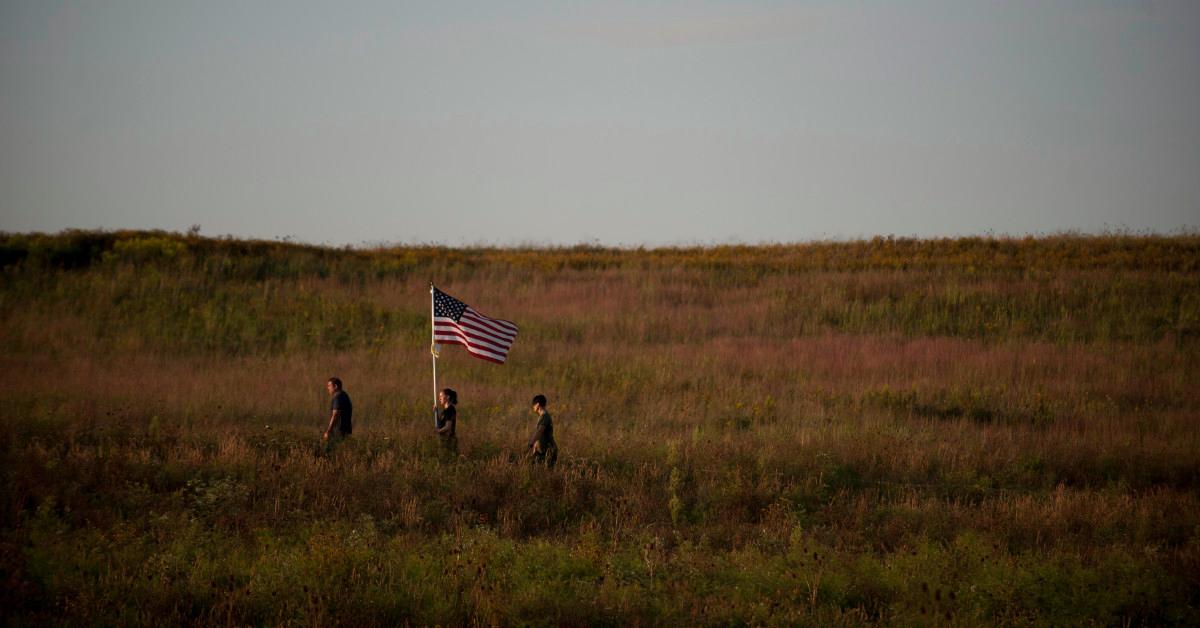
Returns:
point(541, 448)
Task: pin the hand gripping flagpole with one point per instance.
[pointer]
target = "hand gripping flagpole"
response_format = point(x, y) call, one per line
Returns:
point(433, 352)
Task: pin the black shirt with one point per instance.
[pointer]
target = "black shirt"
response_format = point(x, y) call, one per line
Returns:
point(544, 433)
point(448, 415)
point(341, 403)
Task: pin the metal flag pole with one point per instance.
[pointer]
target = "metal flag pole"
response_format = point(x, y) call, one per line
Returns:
point(433, 352)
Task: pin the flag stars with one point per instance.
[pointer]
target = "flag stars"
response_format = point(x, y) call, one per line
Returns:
point(447, 306)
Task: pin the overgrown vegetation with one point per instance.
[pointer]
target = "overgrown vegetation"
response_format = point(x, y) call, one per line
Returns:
point(923, 432)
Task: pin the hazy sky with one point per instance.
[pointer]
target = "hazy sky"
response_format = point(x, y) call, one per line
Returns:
point(623, 123)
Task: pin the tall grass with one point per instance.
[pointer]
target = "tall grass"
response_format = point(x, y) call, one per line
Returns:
point(901, 431)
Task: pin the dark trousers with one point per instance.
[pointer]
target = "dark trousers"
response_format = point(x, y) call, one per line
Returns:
point(335, 439)
point(548, 457)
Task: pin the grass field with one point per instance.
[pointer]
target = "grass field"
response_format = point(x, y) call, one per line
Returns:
point(915, 432)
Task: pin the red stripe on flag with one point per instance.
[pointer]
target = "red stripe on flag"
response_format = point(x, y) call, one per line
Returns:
point(472, 339)
point(471, 316)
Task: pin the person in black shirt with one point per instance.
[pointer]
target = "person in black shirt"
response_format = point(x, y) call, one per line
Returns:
point(341, 413)
point(447, 419)
point(541, 446)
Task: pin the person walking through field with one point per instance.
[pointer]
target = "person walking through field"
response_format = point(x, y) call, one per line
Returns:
point(341, 414)
point(447, 419)
point(541, 446)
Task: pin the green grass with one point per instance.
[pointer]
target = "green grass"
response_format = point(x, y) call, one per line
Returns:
point(915, 432)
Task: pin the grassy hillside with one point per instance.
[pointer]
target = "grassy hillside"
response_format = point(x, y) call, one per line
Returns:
point(935, 432)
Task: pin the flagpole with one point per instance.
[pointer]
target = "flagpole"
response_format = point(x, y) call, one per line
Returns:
point(432, 353)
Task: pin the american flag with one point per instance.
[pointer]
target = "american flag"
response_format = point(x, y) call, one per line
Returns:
point(456, 323)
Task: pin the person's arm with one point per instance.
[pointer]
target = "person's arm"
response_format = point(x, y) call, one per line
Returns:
point(333, 419)
point(536, 439)
point(448, 419)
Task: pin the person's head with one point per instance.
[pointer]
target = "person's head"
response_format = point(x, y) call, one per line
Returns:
point(447, 397)
point(333, 385)
point(539, 403)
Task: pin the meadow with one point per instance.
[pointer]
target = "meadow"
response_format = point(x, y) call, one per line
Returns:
point(972, 431)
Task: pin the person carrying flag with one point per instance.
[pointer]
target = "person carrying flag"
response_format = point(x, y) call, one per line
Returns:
point(447, 420)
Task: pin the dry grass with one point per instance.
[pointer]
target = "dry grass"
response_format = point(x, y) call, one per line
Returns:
point(837, 433)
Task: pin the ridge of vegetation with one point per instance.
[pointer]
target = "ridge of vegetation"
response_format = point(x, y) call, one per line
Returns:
point(889, 431)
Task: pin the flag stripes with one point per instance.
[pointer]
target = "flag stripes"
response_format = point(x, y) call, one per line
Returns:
point(457, 323)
